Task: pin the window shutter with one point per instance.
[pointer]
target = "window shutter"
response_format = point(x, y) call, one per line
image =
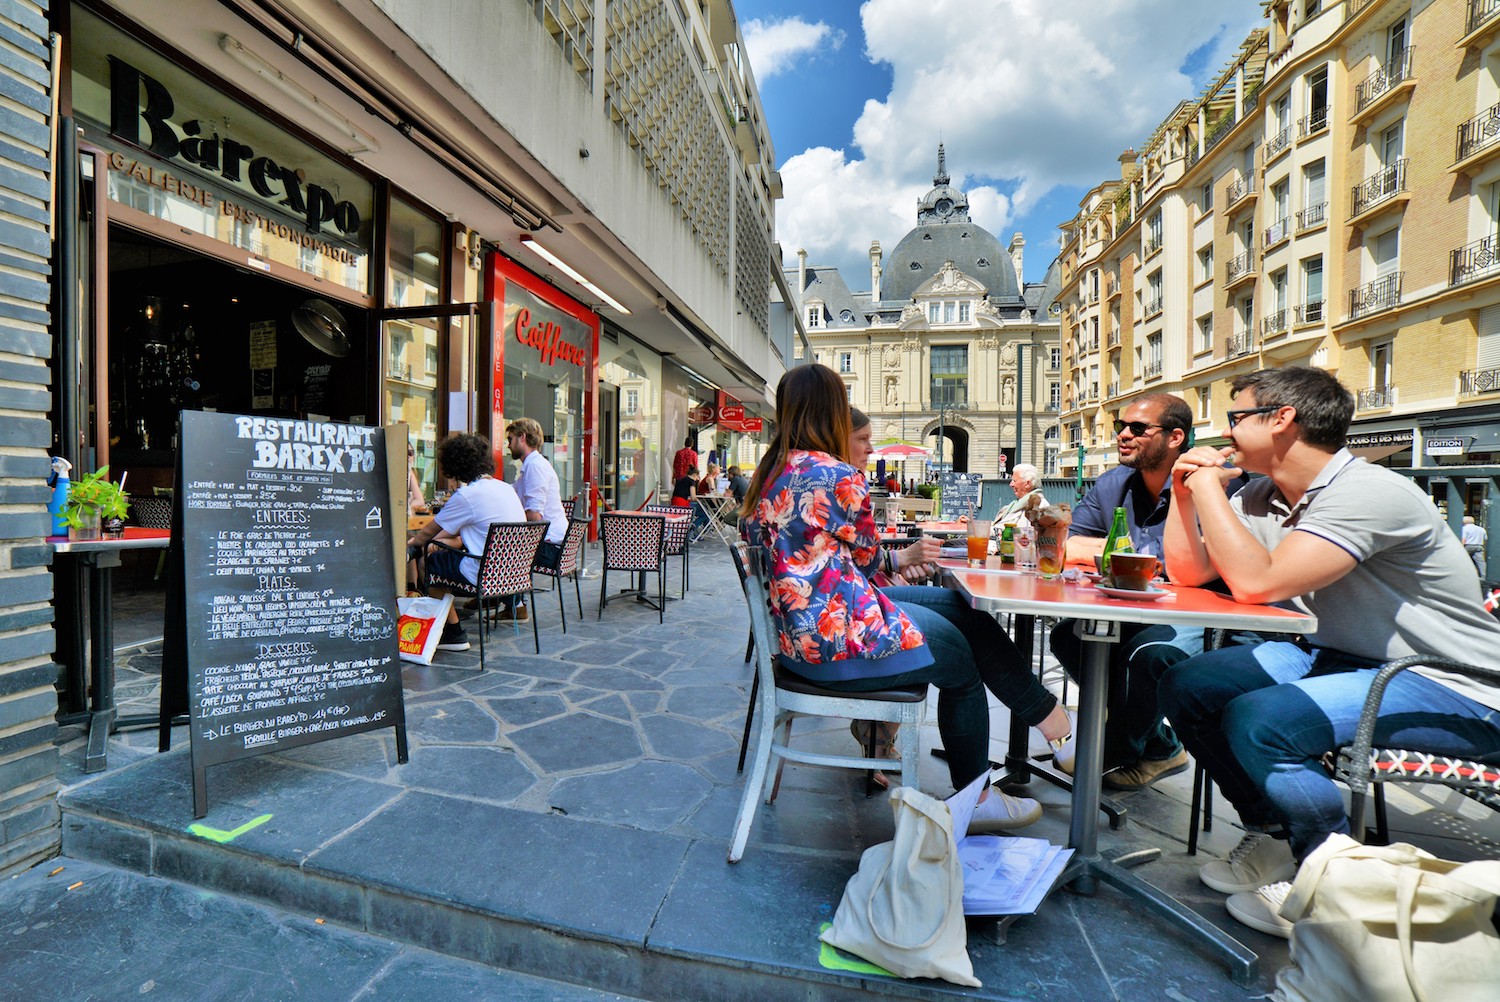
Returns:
point(1488, 355)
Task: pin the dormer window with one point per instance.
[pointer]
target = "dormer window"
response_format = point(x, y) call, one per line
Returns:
point(815, 315)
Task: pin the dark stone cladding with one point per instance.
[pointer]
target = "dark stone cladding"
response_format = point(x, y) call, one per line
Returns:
point(29, 826)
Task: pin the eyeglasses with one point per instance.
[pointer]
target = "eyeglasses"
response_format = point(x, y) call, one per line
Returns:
point(1137, 428)
point(1235, 417)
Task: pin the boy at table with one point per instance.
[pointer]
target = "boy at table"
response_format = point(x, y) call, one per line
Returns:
point(1368, 553)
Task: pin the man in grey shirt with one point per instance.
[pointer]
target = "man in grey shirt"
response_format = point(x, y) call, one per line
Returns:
point(1364, 550)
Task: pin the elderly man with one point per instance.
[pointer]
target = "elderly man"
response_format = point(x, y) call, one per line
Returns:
point(1473, 538)
point(1364, 550)
point(1140, 747)
point(1025, 482)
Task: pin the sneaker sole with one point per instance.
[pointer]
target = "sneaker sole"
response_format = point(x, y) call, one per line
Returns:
point(1124, 786)
point(1252, 914)
point(454, 647)
point(1286, 872)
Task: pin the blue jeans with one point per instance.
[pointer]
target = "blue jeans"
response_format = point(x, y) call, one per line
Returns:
point(1261, 718)
point(970, 653)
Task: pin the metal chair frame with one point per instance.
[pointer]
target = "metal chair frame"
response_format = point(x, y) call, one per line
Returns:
point(568, 566)
point(653, 525)
point(499, 561)
point(678, 535)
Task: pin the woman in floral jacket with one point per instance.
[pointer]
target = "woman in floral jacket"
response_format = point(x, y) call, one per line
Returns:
point(810, 509)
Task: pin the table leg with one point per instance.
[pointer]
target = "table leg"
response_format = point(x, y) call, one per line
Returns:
point(102, 658)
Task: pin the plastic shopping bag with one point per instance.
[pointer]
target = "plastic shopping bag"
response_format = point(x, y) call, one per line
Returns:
point(421, 626)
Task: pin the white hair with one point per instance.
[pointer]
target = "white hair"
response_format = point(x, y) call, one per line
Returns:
point(1026, 472)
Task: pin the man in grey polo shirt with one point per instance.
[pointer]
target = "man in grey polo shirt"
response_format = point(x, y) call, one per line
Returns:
point(1365, 551)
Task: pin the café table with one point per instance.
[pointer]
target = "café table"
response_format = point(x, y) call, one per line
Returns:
point(639, 591)
point(99, 557)
point(1099, 617)
point(718, 508)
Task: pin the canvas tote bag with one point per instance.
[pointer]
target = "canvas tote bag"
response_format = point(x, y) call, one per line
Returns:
point(1382, 923)
point(903, 909)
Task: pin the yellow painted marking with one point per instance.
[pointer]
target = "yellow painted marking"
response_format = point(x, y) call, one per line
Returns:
point(834, 959)
point(221, 836)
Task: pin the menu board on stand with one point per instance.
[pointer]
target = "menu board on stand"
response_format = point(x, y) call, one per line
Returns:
point(281, 628)
point(960, 494)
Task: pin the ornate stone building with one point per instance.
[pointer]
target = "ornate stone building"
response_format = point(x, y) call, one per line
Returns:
point(948, 342)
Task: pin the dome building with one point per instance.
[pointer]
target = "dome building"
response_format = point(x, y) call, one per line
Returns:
point(950, 347)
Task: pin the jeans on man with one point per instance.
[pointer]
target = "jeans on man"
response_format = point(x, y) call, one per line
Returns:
point(1261, 718)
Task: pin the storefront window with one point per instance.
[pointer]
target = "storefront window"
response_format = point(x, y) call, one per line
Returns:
point(544, 349)
point(414, 278)
point(632, 452)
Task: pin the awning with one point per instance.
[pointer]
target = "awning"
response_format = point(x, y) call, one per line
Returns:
point(1375, 453)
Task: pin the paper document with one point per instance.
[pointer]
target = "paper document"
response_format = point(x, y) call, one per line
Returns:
point(1003, 874)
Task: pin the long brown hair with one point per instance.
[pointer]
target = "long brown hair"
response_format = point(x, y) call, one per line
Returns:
point(812, 413)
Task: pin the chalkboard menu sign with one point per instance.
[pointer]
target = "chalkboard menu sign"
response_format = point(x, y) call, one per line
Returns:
point(960, 494)
point(289, 591)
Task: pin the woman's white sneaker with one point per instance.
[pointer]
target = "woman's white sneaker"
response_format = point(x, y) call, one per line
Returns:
point(1001, 812)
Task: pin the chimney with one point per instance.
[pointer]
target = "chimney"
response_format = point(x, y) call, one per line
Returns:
point(874, 271)
point(801, 275)
point(1017, 251)
point(1127, 160)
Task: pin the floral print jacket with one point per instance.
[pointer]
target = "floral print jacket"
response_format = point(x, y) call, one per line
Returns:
point(815, 520)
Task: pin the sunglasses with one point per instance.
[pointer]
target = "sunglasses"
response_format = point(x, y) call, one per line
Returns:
point(1137, 428)
point(1235, 417)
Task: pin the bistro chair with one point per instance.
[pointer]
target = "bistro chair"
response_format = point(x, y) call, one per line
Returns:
point(1361, 766)
point(635, 543)
point(504, 572)
point(784, 695)
point(678, 529)
point(567, 567)
point(153, 511)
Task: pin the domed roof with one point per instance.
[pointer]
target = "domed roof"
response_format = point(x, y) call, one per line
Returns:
point(946, 233)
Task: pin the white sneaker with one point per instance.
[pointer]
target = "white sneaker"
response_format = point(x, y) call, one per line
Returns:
point(1259, 859)
point(1001, 812)
point(1261, 908)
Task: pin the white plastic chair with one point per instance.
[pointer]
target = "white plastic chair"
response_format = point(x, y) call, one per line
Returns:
point(784, 695)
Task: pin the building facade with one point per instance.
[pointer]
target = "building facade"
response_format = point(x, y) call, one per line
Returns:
point(948, 348)
point(1330, 200)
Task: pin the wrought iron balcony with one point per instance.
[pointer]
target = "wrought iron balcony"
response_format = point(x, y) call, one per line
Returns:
point(1396, 69)
point(1380, 186)
point(1478, 133)
point(1313, 215)
point(1480, 11)
point(1239, 343)
point(1276, 144)
point(1150, 244)
point(1310, 313)
point(1474, 261)
point(1238, 267)
point(398, 370)
point(1153, 369)
point(1274, 323)
point(1093, 296)
point(1375, 398)
point(1277, 231)
point(1472, 382)
point(1220, 130)
point(1316, 121)
point(1381, 294)
point(1154, 307)
point(1238, 189)
point(1352, 8)
point(1114, 338)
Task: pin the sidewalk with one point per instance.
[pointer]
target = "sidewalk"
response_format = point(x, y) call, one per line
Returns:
point(566, 816)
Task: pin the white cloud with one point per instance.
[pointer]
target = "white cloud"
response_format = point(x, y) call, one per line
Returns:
point(1030, 94)
point(775, 46)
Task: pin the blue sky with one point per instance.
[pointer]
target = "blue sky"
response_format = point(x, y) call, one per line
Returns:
point(1033, 99)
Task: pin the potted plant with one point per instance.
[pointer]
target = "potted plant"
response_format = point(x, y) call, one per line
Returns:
point(93, 503)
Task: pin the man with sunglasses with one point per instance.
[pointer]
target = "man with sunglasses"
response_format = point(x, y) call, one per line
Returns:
point(1368, 553)
point(1140, 747)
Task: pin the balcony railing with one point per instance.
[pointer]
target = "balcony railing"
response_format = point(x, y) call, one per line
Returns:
point(398, 370)
point(1114, 338)
point(1353, 7)
point(1153, 307)
point(1472, 382)
point(1276, 144)
point(1380, 294)
point(1237, 267)
point(1395, 70)
point(1238, 189)
point(1481, 131)
point(1310, 313)
point(1153, 369)
point(1094, 342)
point(1313, 215)
point(1375, 398)
point(1150, 244)
point(1474, 261)
point(1316, 121)
point(1239, 343)
point(1112, 390)
point(1093, 296)
point(1380, 186)
point(1277, 231)
point(1274, 323)
point(1220, 130)
point(1480, 11)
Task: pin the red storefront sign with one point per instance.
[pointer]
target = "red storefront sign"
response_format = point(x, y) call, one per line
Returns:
point(753, 425)
point(700, 415)
point(547, 338)
point(731, 412)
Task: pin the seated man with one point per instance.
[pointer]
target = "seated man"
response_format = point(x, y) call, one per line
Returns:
point(479, 499)
point(684, 491)
point(739, 485)
point(1364, 550)
point(538, 487)
point(1025, 483)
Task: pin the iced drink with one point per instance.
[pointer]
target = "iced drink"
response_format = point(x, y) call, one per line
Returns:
point(1052, 525)
point(979, 541)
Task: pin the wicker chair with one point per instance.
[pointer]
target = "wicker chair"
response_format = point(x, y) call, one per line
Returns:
point(635, 543)
point(504, 572)
point(568, 566)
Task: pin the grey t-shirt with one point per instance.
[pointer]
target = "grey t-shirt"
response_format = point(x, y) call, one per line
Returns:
point(1413, 589)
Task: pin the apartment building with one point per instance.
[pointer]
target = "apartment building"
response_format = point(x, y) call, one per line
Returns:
point(1331, 199)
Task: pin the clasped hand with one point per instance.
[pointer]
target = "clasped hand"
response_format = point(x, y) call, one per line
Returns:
point(918, 561)
point(1203, 458)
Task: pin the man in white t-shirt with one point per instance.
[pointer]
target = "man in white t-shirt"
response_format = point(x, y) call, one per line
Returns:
point(465, 519)
point(1364, 550)
point(537, 484)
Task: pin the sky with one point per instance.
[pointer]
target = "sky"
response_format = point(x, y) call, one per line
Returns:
point(1034, 101)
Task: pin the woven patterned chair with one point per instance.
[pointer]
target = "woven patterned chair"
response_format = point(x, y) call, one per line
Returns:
point(567, 567)
point(504, 572)
point(635, 543)
point(678, 530)
point(784, 695)
point(1361, 764)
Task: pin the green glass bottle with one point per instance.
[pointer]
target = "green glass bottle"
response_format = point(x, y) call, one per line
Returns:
point(1118, 540)
point(1008, 545)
